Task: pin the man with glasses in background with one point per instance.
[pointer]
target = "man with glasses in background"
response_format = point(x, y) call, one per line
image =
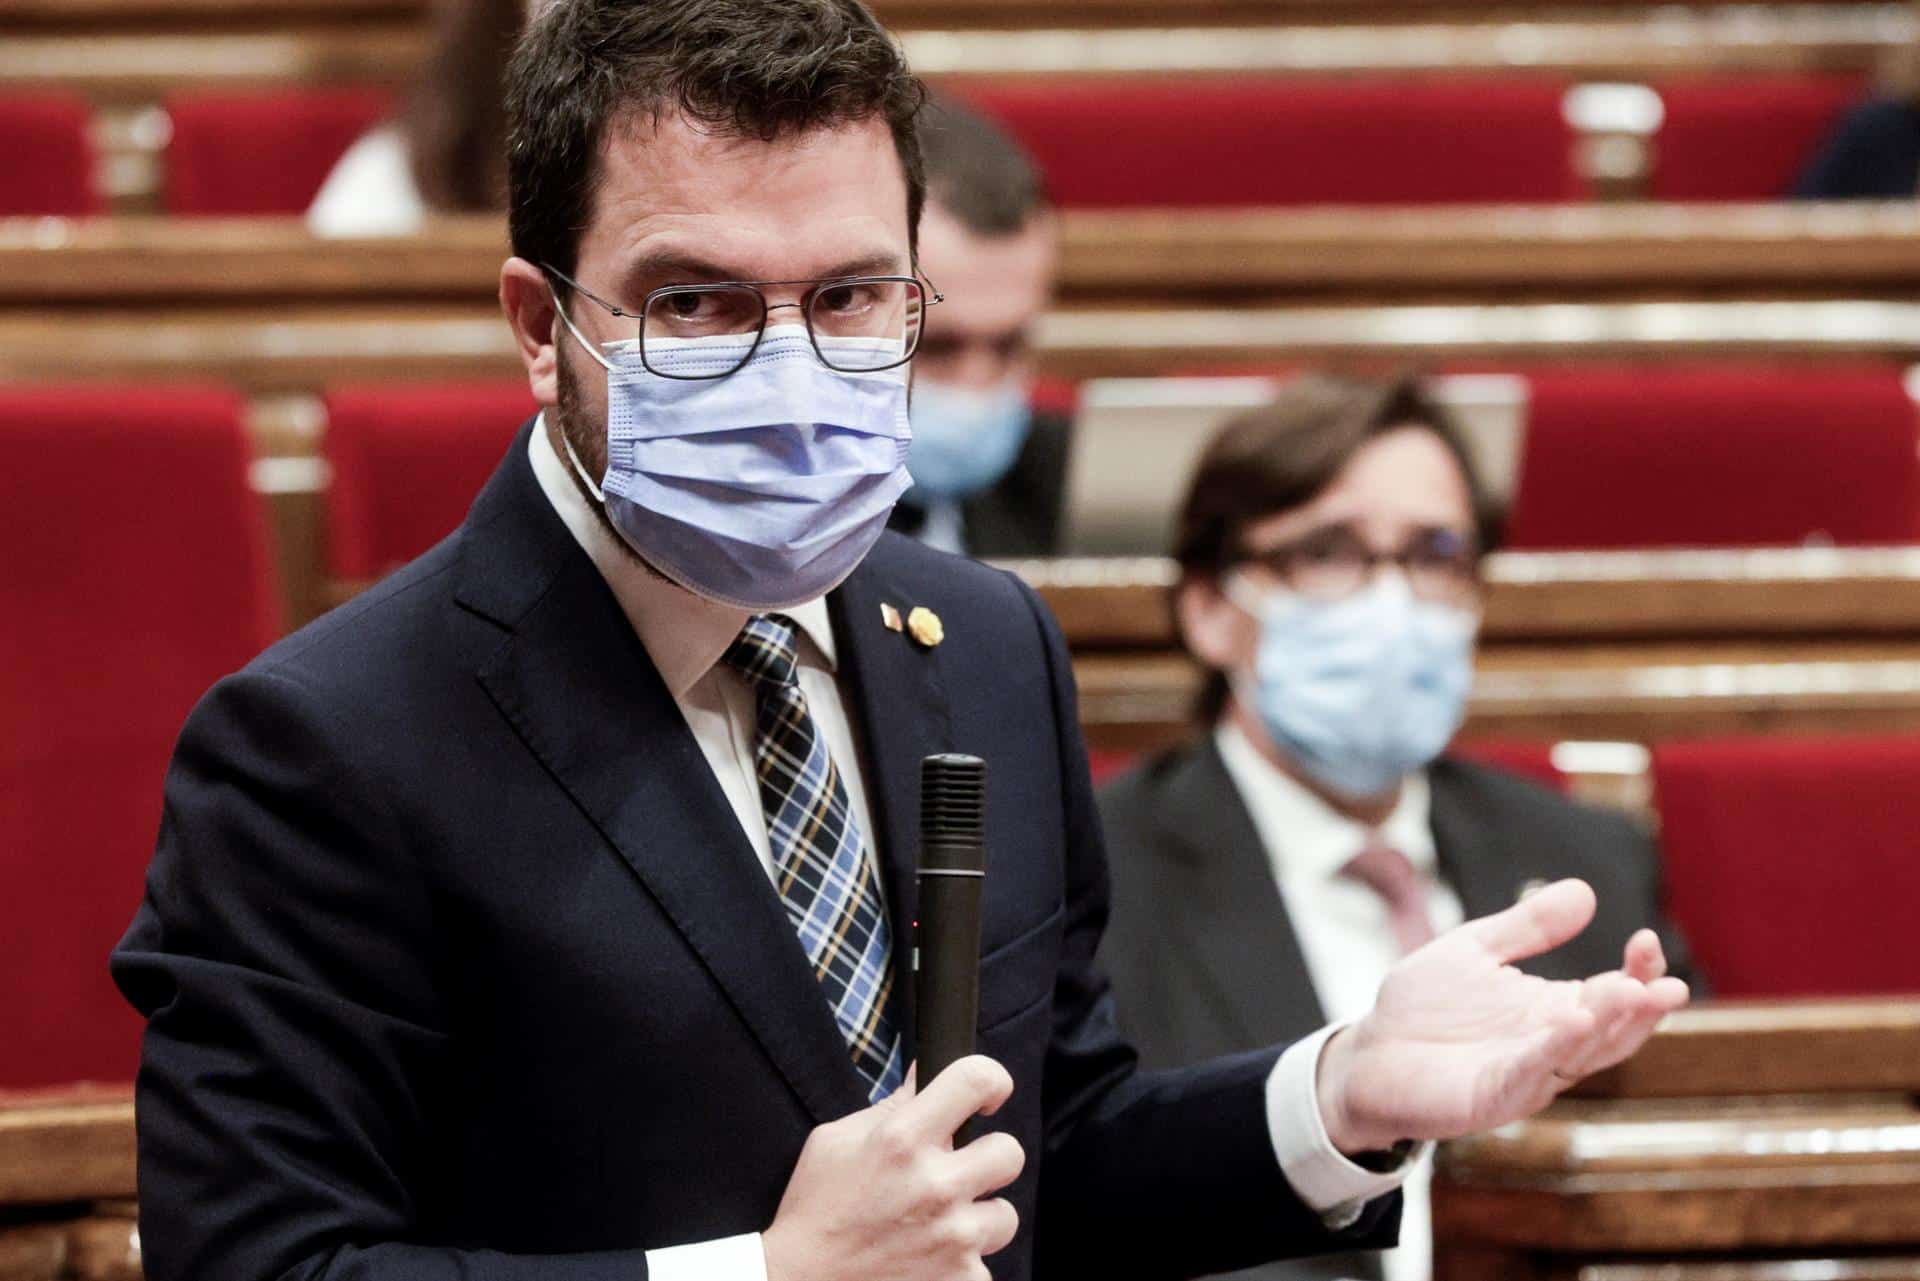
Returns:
point(1269, 874)
point(546, 913)
point(989, 465)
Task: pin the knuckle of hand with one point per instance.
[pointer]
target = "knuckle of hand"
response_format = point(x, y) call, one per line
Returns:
point(894, 1142)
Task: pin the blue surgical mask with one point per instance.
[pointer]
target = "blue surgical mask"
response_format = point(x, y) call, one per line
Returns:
point(764, 489)
point(965, 440)
point(1359, 692)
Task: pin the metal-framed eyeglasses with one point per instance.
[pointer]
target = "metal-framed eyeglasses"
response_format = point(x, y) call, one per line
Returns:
point(853, 322)
point(1334, 562)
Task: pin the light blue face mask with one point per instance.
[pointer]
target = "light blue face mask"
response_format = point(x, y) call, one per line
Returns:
point(1362, 691)
point(764, 489)
point(965, 440)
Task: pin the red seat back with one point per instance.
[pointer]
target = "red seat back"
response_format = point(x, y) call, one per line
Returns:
point(1720, 456)
point(1746, 138)
point(261, 154)
point(49, 161)
point(407, 462)
point(137, 573)
point(1113, 142)
point(1790, 863)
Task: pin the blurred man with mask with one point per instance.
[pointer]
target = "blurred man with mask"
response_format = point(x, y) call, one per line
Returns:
point(546, 913)
point(988, 468)
point(1270, 874)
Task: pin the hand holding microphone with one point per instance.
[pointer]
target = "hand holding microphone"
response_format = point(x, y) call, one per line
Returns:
point(896, 1190)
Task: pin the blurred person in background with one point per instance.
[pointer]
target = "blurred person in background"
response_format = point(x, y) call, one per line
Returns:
point(446, 152)
point(1873, 153)
point(1267, 875)
point(988, 469)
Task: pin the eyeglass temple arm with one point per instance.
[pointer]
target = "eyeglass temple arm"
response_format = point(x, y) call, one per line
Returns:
point(583, 291)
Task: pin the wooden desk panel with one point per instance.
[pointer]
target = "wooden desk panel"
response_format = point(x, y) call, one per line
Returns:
point(66, 1145)
point(1539, 598)
point(122, 66)
point(1118, 259)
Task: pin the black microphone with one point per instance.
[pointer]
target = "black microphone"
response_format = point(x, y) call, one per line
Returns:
point(953, 869)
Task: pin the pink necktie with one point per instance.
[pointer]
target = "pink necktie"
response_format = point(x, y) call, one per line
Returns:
point(1387, 872)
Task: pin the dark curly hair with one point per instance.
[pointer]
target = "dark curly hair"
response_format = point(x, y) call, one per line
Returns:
point(744, 68)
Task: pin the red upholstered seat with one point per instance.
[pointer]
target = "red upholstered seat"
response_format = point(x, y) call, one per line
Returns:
point(1790, 863)
point(1189, 141)
point(137, 573)
point(1745, 138)
point(407, 462)
point(261, 154)
point(1717, 456)
point(49, 161)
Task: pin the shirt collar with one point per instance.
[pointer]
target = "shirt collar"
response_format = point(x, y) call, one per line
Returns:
point(684, 634)
point(1307, 837)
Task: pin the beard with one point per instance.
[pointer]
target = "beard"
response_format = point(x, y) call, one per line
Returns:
point(588, 441)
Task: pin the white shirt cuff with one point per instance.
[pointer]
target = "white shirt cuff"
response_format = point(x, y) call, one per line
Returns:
point(1334, 1187)
point(740, 1258)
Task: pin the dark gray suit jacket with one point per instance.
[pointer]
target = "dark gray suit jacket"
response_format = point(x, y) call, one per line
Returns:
point(1204, 960)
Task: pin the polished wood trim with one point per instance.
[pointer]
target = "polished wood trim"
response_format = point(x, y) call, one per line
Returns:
point(1773, 1047)
point(1121, 603)
point(1503, 254)
point(1516, 251)
point(68, 1145)
point(147, 68)
point(303, 347)
point(1137, 702)
point(122, 66)
point(903, 14)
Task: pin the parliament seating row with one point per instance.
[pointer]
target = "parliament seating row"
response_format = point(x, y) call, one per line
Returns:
point(1104, 142)
point(137, 555)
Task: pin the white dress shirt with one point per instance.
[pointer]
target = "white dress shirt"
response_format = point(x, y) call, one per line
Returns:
point(1345, 934)
point(370, 190)
point(686, 638)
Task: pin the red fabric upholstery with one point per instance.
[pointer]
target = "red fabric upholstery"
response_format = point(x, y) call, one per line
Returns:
point(1534, 760)
point(1745, 138)
point(1193, 141)
point(1790, 863)
point(1716, 456)
point(137, 573)
point(49, 165)
point(1105, 763)
point(407, 462)
point(261, 154)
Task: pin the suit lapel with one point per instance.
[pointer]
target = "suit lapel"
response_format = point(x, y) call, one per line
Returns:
point(1238, 926)
point(577, 686)
point(1472, 855)
point(898, 702)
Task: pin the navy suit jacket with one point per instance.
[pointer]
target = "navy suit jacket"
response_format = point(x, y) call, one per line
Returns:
point(456, 963)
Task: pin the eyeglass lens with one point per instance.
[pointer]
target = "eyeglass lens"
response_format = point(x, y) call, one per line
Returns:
point(857, 326)
point(1332, 563)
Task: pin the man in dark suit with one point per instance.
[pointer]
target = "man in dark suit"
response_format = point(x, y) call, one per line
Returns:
point(989, 466)
point(1268, 874)
point(545, 912)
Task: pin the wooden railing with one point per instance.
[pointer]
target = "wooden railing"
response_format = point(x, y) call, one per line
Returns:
point(267, 308)
point(1747, 1142)
point(1634, 646)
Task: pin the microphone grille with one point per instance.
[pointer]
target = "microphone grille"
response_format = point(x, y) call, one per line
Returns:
point(953, 798)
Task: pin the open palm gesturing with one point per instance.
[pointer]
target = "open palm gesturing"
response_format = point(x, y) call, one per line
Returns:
point(1459, 1041)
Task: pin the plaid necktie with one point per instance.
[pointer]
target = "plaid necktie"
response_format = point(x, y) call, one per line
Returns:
point(825, 874)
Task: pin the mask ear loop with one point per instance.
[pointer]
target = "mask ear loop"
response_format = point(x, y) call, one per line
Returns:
point(1234, 587)
point(560, 310)
point(566, 442)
